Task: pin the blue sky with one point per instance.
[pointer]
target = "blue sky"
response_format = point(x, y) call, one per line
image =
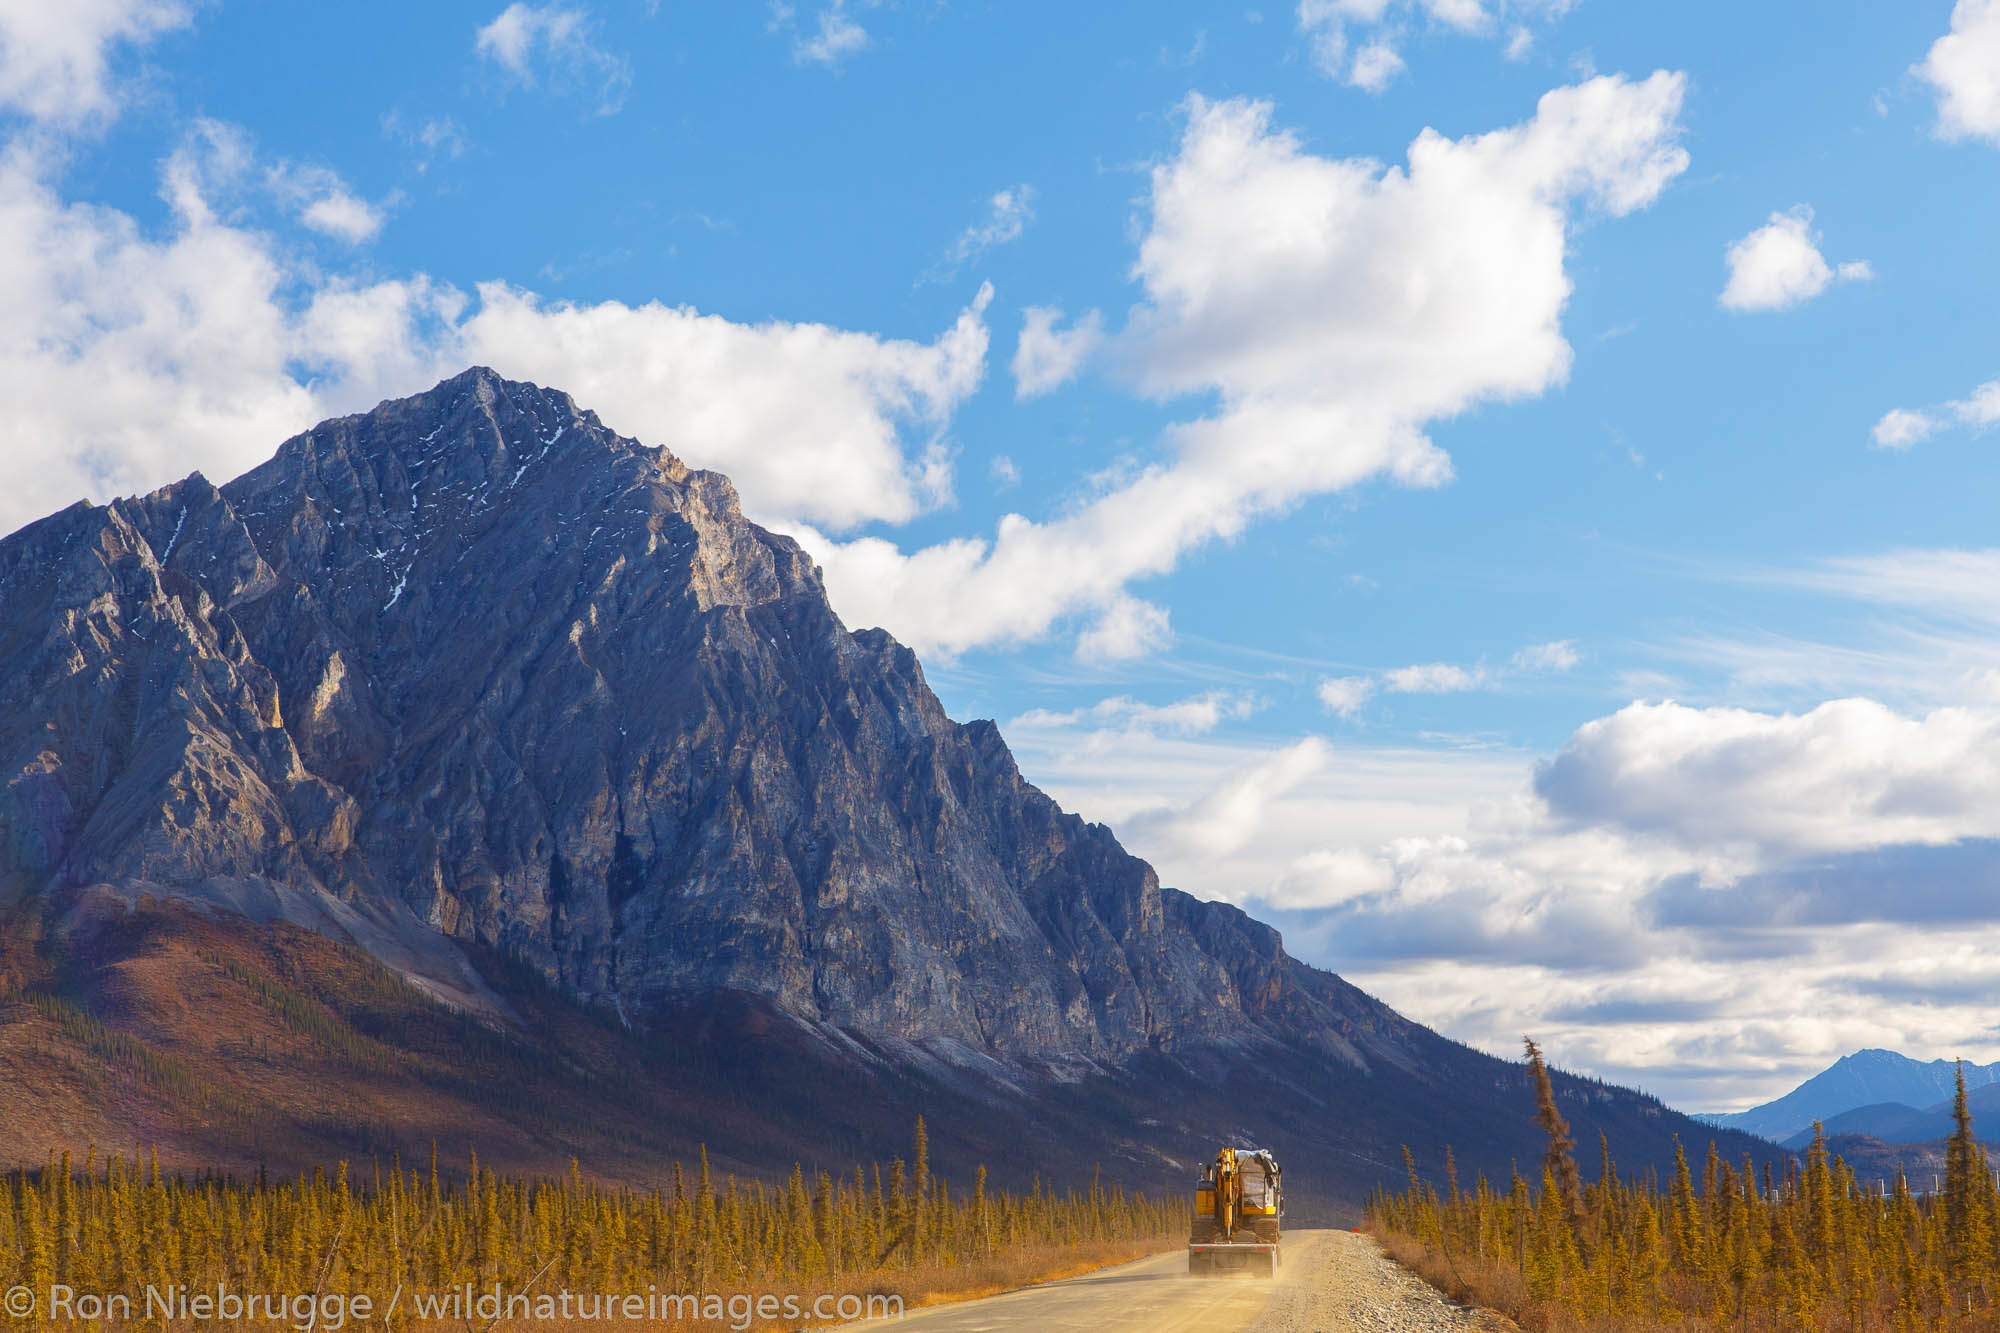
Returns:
point(1547, 569)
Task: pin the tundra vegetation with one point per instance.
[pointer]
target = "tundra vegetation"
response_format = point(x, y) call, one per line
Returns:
point(1807, 1247)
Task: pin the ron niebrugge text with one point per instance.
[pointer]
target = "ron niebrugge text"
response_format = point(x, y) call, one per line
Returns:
point(326, 1312)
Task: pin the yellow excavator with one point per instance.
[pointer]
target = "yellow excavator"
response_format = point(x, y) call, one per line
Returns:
point(1237, 1207)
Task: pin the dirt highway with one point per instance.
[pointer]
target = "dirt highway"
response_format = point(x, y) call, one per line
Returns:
point(1330, 1282)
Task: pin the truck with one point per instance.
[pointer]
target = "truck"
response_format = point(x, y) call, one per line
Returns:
point(1239, 1203)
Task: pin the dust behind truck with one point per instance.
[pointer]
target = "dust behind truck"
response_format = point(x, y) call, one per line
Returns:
point(1237, 1206)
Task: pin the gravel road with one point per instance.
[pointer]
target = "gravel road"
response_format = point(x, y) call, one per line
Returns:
point(1344, 1283)
point(1329, 1282)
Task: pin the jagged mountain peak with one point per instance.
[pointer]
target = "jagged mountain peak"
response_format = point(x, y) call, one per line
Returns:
point(474, 660)
point(470, 676)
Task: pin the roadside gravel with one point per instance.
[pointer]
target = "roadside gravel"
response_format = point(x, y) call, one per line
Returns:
point(1346, 1283)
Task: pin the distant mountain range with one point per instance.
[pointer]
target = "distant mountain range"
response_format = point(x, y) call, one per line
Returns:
point(1877, 1093)
point(471, 772)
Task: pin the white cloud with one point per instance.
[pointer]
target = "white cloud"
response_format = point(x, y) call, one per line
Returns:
point(1046, 358)
point(1962, 586)
point(342, 215)
point(511, 38)
point(1003, 471)
point(1009, 212)
point(1193, 716)
point(533, 44)
point(1125, 628)
point(833, 37)
point(1900, 428)
point(1324, 878)
point(1332, 308)
point(1982, 408)
point(1779, 265)
point(1356, 41)
point(1235, 810)
point(54, 57)
point(1345, 694)
point(1712, 901)
point(1847, 775)
point(804, 418)
point(129, 359)
point(1376, 66)
point(1559, 655)
point(1680, 895)
point(1964, 67)
point(325, 203)
point(1447, 678)
point(1435, 678)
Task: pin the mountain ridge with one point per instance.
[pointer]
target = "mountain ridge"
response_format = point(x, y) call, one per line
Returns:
point(471, 674)
point(1867, 1078)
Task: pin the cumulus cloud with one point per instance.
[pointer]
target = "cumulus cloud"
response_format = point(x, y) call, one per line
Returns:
point(1345, 694)
point(1375, 67)
point(1046, 357)
point(1712, 901)
point(1950, 882)
point(1847, 775)
point(1901, 428)
point(1964, 67)
point(55, 58)
point(215, 171)
point(1612, 897)
point(326, 203)
point(1125, 628)
point(131, 357)
point(807, 419)
point(553, 45)
point(1325, 878)
point(1779, 265)
point(1332, 309)
point(1357, 41)
point(1982, 409)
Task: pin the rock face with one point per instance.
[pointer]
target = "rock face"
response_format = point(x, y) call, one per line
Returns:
point(472, 666)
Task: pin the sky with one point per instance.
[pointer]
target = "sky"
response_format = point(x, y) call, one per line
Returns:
point(1501, 489)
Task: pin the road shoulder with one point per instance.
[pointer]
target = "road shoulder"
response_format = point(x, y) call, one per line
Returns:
point(1345, 1281)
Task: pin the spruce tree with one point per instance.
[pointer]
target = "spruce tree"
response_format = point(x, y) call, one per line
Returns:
point(1967, 1229)
point(1560, 1158)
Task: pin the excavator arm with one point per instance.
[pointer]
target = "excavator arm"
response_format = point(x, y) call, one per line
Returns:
point(1238, 1202)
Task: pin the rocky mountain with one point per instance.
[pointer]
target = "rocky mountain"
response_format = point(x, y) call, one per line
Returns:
point(1885, 1081)
point(530, 715)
